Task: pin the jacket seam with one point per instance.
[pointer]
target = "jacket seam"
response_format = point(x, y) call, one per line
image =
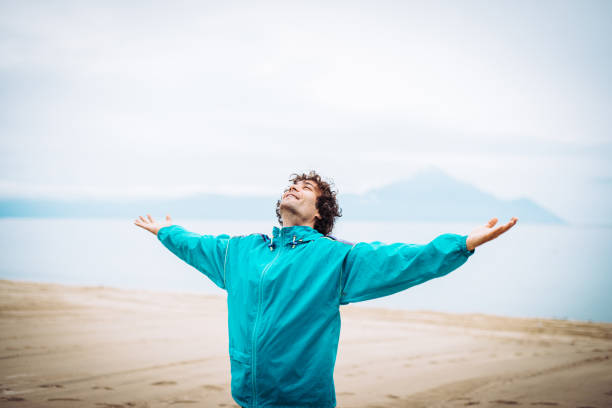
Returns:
point(254, 335)
point(341, 271)
point(225, 262)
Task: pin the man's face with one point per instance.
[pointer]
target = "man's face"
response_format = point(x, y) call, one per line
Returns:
point(300, 200)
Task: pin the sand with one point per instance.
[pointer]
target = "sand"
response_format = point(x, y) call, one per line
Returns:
point(69, 346)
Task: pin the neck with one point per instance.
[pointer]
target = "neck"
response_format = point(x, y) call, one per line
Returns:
point(289, 221)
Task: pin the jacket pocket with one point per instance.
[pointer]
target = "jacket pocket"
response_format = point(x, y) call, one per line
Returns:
point(241, 375)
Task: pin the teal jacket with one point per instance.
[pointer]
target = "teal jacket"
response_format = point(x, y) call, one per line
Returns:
point(284, 294)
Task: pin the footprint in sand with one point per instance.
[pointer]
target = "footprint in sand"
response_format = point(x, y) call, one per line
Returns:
point(184, 402)
point(63, 399)
point(392, 396)
point(97, 387)
point(472, 403)
point(51, 386)
point(213, 387)
point(107, 405)
point(13, 399)
point(506, 402)
point(164, 383)
point(455, 360)
point(544, 403)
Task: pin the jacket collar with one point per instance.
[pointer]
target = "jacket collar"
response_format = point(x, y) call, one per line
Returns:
point(294, 235)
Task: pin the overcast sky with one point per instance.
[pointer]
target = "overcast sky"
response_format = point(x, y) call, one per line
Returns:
point(170, 98)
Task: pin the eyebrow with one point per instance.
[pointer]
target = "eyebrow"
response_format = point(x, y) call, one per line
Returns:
point(309, 183)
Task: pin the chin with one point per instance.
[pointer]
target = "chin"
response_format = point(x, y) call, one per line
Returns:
point(289, 208)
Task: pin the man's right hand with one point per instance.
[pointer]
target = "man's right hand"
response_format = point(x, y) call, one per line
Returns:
point(152, 225)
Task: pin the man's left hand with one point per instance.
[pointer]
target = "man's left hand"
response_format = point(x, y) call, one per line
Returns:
point(486, 232)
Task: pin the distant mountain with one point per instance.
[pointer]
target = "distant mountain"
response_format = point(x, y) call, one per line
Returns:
point(430, 195)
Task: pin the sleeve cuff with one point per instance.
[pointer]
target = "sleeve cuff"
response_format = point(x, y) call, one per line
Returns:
point(164, 231)
point(464, 249)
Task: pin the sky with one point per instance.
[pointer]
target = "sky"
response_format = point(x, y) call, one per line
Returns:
point(109, 99)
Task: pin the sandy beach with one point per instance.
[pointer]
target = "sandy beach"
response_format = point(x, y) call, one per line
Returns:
point(69, 346)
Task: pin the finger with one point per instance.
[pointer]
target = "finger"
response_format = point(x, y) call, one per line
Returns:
point(150, 218)
point(503, 228)
point(142, 219)
point(168, 218)
point(496, 232)
point(500, 230)
point(510, 224)
point(492, 222)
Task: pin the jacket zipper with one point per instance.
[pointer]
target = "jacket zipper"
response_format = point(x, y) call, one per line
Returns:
point(253, 353)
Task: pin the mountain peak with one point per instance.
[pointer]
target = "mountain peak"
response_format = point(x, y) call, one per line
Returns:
point(431, 194)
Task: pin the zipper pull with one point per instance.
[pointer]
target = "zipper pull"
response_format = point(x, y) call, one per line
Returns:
point(293, 246)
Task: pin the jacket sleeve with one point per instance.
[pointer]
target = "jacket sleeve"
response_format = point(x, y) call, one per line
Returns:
point(206, 253)
point(372, 270)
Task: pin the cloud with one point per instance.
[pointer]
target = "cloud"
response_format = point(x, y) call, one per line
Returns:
point(134, 99)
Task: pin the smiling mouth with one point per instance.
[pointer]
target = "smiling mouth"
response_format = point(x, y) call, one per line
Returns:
point(291, 195)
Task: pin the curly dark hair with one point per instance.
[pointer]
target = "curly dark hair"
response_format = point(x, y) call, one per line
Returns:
point(326, 202)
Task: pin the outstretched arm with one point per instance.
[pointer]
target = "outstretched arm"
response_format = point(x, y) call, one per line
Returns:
point(372, 270)
point(206, 253)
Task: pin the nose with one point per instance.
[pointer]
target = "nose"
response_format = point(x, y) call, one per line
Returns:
point(292, 189)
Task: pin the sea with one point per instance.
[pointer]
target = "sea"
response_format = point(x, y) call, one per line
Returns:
point(532, 270)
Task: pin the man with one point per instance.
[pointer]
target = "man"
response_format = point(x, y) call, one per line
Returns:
point(284, 292)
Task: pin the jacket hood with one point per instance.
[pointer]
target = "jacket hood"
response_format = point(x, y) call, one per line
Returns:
point(294, 235)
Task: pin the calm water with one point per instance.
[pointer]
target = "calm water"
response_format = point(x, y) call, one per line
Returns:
point(530, 271)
